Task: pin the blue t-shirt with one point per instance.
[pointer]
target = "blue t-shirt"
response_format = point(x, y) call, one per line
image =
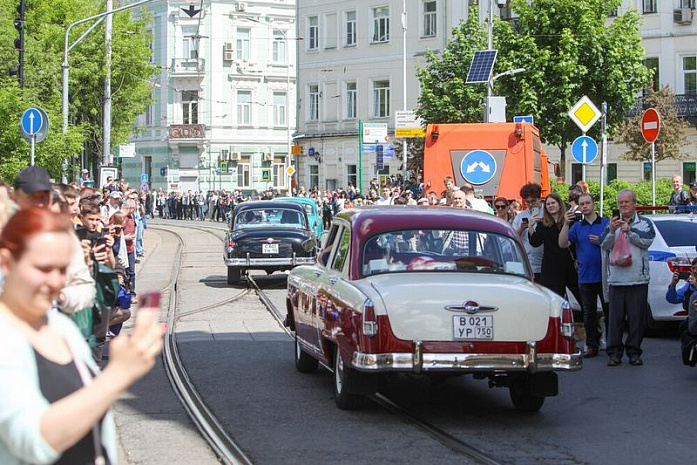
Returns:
point(588, 256)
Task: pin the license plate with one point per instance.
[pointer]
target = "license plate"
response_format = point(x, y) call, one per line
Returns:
point(269, 248)
point(473, 327)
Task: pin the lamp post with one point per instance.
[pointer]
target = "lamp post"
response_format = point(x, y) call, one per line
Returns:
point(67, 48)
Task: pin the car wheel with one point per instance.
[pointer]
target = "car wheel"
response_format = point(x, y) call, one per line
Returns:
point(234, 275)
point(304, 363)
point(522, 399)
point(345, 379)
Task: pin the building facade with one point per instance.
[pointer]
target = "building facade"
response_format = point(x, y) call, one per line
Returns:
point(222, 117)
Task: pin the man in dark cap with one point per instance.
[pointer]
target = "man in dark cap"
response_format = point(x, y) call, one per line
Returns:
point(33, 188)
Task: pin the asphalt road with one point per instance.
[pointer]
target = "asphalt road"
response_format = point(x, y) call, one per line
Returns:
point(241, 361)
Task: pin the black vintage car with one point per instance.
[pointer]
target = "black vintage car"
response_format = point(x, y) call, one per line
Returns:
point(268, 235)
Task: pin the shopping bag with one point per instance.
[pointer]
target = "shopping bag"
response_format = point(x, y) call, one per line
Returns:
point(621, 253)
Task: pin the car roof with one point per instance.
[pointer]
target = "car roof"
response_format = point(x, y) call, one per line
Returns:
point(253, 204)
point(297, 199)
point(672, 217)
point(370, 220)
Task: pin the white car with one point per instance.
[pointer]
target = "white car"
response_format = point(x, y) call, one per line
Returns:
point(672, 250)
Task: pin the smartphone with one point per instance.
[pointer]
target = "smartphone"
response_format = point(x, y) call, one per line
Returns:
point(524, 220)
point(535, 211)
point(684, 275)
point(578, 216)
point(101, 240)
point(149, 299)
point(81, 232)
point(615, 212)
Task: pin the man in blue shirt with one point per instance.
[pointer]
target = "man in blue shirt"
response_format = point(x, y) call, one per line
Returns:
point(584, 234)
point(682, 295)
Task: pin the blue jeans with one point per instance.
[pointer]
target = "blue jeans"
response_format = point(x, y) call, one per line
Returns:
point(139, 237)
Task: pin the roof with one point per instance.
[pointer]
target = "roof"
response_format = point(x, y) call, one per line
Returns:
point(265, 204)
point(367, 221)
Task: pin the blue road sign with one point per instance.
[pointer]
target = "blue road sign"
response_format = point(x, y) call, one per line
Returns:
point(524, 119)
point(163, 171)
point(584, 149)
point(379, 152)
point(32, 121)
point(478, 167)
point(143, 178)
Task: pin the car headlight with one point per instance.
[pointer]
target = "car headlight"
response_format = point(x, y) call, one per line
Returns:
point(309, 245)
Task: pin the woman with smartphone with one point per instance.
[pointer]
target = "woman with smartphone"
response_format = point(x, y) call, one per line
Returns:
point(558, 268)
point(53, 400)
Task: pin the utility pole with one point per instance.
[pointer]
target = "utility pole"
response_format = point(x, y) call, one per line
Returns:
point(404, 85)
point(108, 25)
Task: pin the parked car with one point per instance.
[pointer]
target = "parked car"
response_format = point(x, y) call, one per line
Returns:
point(267, 235)
point(672, 250)
point(428, 290)
point(312, 212)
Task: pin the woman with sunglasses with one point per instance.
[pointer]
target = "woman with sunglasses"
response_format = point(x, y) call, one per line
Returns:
point(502, 209)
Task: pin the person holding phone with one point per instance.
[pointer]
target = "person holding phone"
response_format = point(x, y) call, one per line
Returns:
point(682, 295)
point(530, 193)
point(54, 400)
point(584, 234)
point(94, 236)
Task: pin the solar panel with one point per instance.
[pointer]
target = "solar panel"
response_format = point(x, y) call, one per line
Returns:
point(481, 67)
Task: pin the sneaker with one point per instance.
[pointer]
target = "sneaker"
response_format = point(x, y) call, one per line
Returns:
point(635, 360)
point(613, 361)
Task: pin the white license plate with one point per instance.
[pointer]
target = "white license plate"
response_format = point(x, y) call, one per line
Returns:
point(269, 248)
point(473, 327)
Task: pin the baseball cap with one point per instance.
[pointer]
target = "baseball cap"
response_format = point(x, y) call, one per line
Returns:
point(116, 194)
point(693, 185)
point(33, 179)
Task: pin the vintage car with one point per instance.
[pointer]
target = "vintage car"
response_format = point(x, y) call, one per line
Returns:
point(313, 215)
point(428, 290)
point(267, 235)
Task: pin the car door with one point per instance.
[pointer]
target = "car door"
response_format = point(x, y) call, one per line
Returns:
point(333, 285)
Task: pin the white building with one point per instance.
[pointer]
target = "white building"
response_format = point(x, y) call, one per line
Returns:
point(350, 70)
point(223, 115)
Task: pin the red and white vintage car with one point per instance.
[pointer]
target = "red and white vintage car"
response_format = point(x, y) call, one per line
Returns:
point(428, 290)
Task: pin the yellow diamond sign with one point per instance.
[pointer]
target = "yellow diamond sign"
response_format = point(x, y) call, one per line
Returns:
point(585, 114)
point(290, 171)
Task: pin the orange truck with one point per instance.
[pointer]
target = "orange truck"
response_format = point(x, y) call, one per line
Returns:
point(496, 158)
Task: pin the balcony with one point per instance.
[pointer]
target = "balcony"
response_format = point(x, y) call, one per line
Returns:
point(188, 67)
point(684, 103)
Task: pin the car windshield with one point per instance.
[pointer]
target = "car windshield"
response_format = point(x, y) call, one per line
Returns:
point(264, 217)
point(677, 233)
point(443, 250)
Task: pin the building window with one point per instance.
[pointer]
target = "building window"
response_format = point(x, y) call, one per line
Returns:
point(278, 173)
point(381, 99)
point(688, 4)
point(190, 106)
point(650, 6)
point(429, 18)
point(313, 33)
point(279, 47)
point(243, 175)
point(244, 108)
point(243, 44)
point(688, 172)
point(350, 28)
point(652, 64)
point(647, 170)
point(149, 120)
point(689, 69)
point(381, 24)
point(314, 103)
point(576, 172)
point(611, 172)
point(351, 100)
point(279, 108)
point(352, 175)
point(189, 44)
point(314, 176)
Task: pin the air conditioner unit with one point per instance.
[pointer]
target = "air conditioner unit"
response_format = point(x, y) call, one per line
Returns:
point(682, 16)
point(229, 46)
point(225, 155)
point(228, 55)
point(241, 6)
point(268, 156)
point(235, 156)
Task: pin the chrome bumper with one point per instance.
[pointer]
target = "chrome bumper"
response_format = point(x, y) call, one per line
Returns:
point(417, 361)
point(264, 262)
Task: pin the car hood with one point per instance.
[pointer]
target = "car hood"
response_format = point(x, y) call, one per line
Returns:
point(273, 232)
point(415, 304)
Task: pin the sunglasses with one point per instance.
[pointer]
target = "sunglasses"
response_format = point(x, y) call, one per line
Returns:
point(500, 207)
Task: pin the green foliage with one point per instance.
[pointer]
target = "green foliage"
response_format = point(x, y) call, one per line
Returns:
point(45, 26)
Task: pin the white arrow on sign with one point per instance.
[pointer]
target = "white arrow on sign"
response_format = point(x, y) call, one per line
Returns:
point(584, 144)
point(31, 123)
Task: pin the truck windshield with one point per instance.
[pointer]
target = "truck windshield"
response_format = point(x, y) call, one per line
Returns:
point(443, 250)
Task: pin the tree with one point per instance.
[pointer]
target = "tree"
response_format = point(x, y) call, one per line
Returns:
point(567, 49)
point(671, 139)
point(46, 22)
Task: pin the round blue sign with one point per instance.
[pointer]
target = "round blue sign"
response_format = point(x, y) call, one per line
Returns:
point(478, 167)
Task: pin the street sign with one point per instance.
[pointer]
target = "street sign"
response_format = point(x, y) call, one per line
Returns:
point(375, 131)
point(524, 119)
point(163, 171)
point(32, 121)
point(650, 125)
point(127, 150)
point(407, 124)
point(379, 157)
point(584, 114)
point(290, 171)
point(266, 174)
point(144, 187)
point(584, 149)
point(478, 167)
point(409, 132)
point(144, 178)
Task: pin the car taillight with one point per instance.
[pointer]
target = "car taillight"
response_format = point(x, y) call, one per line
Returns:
point(567, 320)
point(230, 244)
point(370, 325)
point(679, 265)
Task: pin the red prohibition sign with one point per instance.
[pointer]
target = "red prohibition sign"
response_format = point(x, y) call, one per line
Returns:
point(650, 125)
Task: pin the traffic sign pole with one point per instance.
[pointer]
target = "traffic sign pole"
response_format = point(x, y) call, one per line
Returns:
point(33, 144)
point(653, 173)
point(603, 159)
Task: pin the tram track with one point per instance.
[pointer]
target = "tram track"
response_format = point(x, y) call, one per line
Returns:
point(224, 446)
